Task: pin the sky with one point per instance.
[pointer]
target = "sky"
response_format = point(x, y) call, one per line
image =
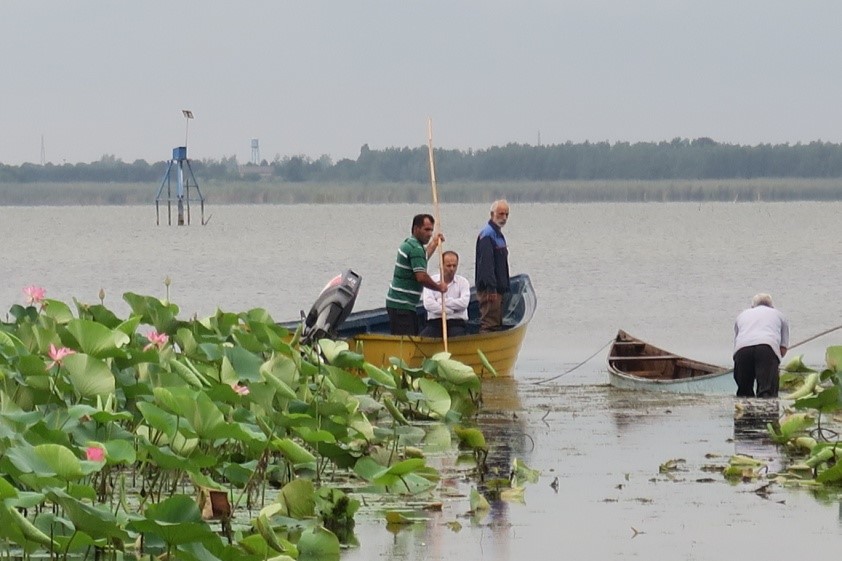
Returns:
point(90, 78)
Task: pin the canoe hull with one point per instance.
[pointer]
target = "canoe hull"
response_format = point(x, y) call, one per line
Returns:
point(634, 364)
point(719, 384)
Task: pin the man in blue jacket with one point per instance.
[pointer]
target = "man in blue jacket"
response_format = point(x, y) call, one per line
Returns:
point(492, 268)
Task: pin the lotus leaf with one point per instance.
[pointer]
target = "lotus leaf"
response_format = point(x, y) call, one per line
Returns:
point(89, 376)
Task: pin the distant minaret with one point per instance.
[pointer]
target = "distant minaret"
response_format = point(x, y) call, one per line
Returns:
point(539, 137)
point(43, 151)
point(255, 151)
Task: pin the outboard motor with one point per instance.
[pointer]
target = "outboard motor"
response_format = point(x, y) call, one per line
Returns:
point(331, 307)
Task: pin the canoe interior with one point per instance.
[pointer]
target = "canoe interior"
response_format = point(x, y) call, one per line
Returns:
point(634, 357)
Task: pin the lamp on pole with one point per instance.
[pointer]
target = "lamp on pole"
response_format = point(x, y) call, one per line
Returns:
point(187, 116)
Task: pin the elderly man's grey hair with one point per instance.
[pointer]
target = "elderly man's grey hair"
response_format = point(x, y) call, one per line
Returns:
point(497, 203)
point(761, 299)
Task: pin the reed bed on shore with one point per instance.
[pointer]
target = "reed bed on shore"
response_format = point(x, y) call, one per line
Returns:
point(276, 192)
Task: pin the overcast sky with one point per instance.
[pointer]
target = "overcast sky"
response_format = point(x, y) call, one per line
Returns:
point(316, 77)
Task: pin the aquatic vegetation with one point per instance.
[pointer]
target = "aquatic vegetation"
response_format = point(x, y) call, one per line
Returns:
point(816, 449)
point(134, 434)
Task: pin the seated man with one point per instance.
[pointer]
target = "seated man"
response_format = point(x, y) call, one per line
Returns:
point(456, 301)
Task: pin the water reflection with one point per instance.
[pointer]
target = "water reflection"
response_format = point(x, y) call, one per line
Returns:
point(751, 435)
point(507, 438)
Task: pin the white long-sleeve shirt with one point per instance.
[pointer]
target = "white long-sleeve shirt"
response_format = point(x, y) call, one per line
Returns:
point(456, 299)
point(761, 325)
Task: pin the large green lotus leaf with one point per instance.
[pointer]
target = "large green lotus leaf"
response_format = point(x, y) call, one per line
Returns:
point(128, 326)
point(315, 436)
point(392, 474)
point(379, 376)
point(7, 491)
point(796, 364)
point(331, 348)
point(318, 544)
point(457, 373)
point(294, 452)
point(486, 364)
point(32, 365)
point(11, 345)
point(88, 375)
point(471, 438)
point(297, 499)
point(359, 425)
point(205, 416)
point(187, 372)
point(157, 418)
point(60, 460)
point(176, 520)
point(97, 340)
point(344, 380)
point(833, 356)
point(177, 400)
point(436, 397)
point(165, 458)
point(186, 341)
point(100, 314)
point(152, 311)
point(832, 474)
point(827, 401)
point(95, 520)
point(18, 529)
point(248, 341)
point(270, 375)
point(120, 452)
point(246, 364)
point(57, 310)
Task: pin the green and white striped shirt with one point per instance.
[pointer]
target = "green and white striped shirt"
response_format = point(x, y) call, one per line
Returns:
point(405, 291)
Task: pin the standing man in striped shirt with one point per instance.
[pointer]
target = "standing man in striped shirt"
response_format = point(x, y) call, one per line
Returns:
point(410, 276)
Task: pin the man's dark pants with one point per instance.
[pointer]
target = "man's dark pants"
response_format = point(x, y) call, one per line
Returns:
point(757, 363)
point(402, 322)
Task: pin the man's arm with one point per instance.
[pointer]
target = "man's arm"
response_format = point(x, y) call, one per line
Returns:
point(460, 303)
point(486, 279)
point(432, 301)
point(428, 282)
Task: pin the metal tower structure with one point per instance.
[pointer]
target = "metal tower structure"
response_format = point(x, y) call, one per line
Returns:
point(182, 189)
point(255, 151)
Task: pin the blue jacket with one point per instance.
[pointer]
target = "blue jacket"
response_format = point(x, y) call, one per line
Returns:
point(492, 263)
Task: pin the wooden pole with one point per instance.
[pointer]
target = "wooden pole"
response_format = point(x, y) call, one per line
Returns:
point(438, 227)
point(816, 336)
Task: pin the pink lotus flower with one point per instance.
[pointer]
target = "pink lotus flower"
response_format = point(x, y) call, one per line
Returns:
point(95, 454)
point(58, 355)
point(156, 339)
point(34, 295)
point(240, 389)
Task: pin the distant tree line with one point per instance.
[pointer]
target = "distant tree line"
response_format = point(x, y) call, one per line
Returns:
point(679, 159)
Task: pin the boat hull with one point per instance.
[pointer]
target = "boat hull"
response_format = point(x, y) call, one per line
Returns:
point(721, 383)
point(634, 364)
point(368, 332)
point(501, 348)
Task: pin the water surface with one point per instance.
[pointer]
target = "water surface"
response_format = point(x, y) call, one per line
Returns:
point(675, 274)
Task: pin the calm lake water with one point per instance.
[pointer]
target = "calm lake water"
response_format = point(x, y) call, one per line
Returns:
point(675, 274)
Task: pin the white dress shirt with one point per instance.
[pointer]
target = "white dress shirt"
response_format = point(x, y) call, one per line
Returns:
point(456, 299)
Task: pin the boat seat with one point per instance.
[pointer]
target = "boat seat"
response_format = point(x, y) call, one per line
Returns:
point(654, 374)
point(656, 357)
point(630, 343)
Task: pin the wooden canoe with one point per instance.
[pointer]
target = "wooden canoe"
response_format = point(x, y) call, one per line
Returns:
point(370, 331)
point(634, 364)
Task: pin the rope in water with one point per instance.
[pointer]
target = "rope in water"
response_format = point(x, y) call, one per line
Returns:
point(578, 365)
